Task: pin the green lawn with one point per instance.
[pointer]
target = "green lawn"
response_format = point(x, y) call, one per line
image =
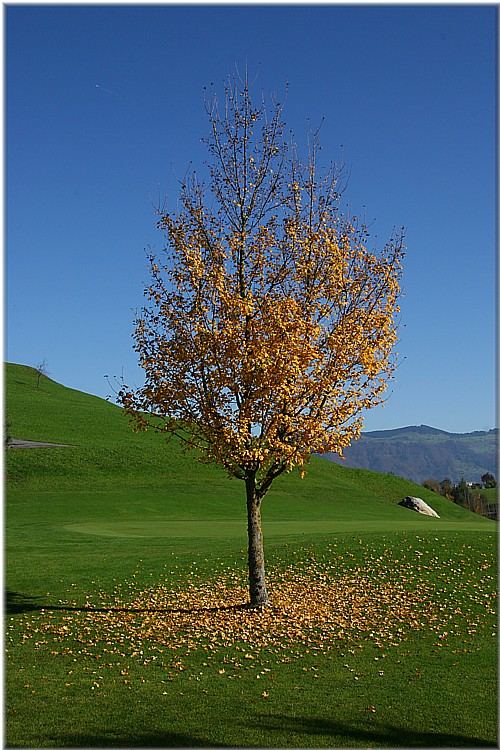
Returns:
point(125, 574)
point(491, 494)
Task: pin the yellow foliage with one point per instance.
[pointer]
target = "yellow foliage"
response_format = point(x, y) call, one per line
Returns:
point(271, 325)
point(265, 373)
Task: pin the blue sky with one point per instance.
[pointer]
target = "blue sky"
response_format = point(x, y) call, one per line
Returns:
point(104, 112)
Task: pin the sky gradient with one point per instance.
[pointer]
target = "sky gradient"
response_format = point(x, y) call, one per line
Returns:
point(104, 113)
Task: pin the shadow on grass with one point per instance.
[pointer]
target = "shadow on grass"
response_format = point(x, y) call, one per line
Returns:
point(16, 603)
point(381, 734)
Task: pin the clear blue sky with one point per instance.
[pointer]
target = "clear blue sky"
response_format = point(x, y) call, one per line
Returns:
point(104, 112)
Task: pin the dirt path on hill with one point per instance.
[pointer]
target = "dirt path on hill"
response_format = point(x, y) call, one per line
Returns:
point(15, 443)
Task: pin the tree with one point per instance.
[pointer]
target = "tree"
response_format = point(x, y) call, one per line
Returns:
point(431, 484)
point(270, 326)
point(446, 488)
point(488, 480)
point(461, 493)
point(40, 370)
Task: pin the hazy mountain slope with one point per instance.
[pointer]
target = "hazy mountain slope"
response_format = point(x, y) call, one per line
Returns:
point(420, 453)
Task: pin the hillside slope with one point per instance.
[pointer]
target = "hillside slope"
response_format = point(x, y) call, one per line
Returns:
point(105, 448)
point(420, 453)
point(136, 474)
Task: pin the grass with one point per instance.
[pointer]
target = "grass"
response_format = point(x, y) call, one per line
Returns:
point(491, 494)
point(125, 570)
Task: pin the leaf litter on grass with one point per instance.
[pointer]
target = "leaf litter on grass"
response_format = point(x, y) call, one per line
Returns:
point(315, 606)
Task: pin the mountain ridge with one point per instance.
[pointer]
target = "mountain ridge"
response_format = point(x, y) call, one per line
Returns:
point(425, 429)
point(424, 452)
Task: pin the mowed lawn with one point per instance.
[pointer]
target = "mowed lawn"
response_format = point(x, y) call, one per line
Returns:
point(126, 584)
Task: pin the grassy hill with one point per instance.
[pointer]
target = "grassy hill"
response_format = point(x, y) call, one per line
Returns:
point(125, 570)
point(421, 453)
point(105, 454)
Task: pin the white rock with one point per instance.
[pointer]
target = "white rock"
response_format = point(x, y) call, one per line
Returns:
point(416, 503)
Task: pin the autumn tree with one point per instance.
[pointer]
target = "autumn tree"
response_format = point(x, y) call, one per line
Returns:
point(446, 488)
point(270, 325)
point(432, 485)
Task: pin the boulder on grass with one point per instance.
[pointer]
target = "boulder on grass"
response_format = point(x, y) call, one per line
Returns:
point(416, 503)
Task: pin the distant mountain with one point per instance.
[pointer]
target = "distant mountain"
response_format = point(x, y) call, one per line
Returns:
point(424, 452)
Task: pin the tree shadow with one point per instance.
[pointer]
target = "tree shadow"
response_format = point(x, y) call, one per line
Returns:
point(17, 603)
point(381, 734)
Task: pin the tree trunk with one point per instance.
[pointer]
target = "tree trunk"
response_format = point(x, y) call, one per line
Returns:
point(256, 571)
